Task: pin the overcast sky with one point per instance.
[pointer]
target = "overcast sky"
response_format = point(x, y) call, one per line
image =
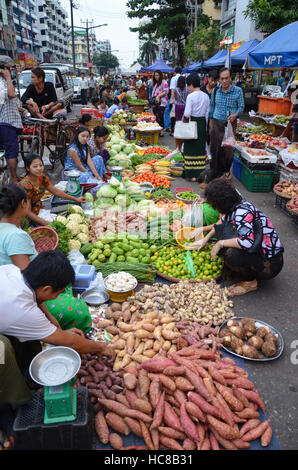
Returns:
point(113, 13)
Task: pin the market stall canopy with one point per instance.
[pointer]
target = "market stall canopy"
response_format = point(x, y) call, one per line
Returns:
point(132, 70)
point(239, 56)
point(158, 65)
point(193, 67)
point(218, 60)
point(277, 51)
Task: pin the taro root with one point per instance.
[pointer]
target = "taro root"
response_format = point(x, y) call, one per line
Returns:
point(232, 323)
point(237, 345)
point(256, 342)
point(249, 328)
point(269, 349)
point(271, 337)
point(237, 331)
point(263, 331)
point(250, 351)
point(224, 332)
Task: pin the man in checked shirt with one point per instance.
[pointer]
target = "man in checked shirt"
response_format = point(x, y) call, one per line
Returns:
point(227, 102)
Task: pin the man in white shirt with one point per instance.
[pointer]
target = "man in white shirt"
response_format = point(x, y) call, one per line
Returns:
point(84, 89)
point(23, 324)
point(173, 83)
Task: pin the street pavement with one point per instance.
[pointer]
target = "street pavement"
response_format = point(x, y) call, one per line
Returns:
point(275, 302)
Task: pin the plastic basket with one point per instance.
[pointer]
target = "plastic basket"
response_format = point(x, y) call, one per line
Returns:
point(237, 167)
point(45, 238)
point(182, 190)
point(182, 235)
point(257, 181)
point(281, 203)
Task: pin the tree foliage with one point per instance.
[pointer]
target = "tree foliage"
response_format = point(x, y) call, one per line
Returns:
point(148, 50)
point(204, 41)
point(105, 61)
point(271, 15)
point(165, 19)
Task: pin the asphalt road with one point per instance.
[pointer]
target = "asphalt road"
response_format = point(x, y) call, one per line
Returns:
point(275, 302)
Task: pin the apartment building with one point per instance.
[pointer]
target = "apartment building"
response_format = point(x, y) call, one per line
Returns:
point(53, 31)
point(234, 25)
point(81, 47)
point(25, 29)
point(103, 46)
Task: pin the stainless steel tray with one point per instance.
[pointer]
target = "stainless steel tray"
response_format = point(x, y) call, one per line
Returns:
point(92, 297)
point(258, 324)
point(55, 366)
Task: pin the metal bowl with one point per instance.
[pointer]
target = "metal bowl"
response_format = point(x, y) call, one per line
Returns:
point(258, 324)
point(92, 297)
point(55, 366)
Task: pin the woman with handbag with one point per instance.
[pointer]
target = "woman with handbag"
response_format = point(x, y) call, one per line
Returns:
point(180, 96)
point(197, 109)
point(159, 98)
point(249, 244)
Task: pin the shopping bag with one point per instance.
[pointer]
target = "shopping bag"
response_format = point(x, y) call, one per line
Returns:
point(229, 138)
point(186, 130)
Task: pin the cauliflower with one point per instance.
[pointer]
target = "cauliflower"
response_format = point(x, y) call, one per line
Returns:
point(74, 245)
point(76, 218)
point(77, 209)
point(73, 227)
point(84, 229)
point(61, 219)
point(83, 238)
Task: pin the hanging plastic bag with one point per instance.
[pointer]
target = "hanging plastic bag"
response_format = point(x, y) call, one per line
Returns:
point(76, 257)
point(189, 264)
point(194, 216)
point(229, 138)
point(96, 291)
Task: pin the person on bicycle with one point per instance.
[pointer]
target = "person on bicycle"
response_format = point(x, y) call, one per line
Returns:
point(36, 183)
point(40, 97)
point(10, 119)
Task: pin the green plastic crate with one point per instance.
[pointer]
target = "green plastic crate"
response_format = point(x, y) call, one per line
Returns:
point(257, 181)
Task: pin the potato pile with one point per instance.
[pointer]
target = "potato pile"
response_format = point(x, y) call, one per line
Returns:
point(198, 301)
point(137, 336)
point(247, 340)
point(185, 400)
point(288, 188)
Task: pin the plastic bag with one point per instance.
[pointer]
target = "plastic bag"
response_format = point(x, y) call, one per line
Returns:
point(97, 291)
point(76, 257)
point(229, 138)
point(194, 216)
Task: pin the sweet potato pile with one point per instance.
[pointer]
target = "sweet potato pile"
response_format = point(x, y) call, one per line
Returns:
point(185, 400)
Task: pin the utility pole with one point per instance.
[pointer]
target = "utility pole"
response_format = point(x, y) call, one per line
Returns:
point(86, 28)
point(72, 37)
point(196, 14)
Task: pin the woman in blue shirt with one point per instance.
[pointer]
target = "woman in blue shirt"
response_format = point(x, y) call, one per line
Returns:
point(78, 158)
point(16, 246)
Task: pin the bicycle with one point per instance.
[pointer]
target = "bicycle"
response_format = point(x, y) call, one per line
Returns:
point(39, 134)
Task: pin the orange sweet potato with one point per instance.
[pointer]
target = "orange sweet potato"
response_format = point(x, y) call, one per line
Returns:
point(131, 398)
point(134, 426)
point(155, 438)
point(266, 437)
point(143, 405)
point(174, 371)
point(130, 381)
point(188, 444)
point(154, 392)
point(216, 375)
point(159, 412)
point(188, 425)
point(241, 444)
point(117, 423)
point(226, 431)
point(101, 428)
point(167, 382)
point(114, 406)
point(213, 442)
point(256, 432)
point(249, 425)
point(195, 411)
point(170, 443)
point(205, 444)
point(170, 418)
point(183, 384)
point(116, 441)
point(139, 415)
point(248, 413)
point(144, 383)
point(230, 398)
point(173, 433)
point(121, 399)
point(227, 444)
point(146, 436)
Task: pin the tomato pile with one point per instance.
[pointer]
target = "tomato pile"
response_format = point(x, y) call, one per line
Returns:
point(159, 150)
point(156, 180)
point(170, 261)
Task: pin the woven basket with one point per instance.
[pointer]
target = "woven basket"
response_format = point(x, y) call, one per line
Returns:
point(45, 238)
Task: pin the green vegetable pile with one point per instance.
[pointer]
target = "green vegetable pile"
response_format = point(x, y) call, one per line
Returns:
point(171, 261)
point(142, 272)
point(64, 236)
point(188, 195)
point(121, 247)
point(161, 192)
point(136, 101)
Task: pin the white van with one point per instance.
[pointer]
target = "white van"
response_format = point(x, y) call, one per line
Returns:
point(57, 74)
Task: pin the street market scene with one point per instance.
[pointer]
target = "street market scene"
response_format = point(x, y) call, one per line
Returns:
point(148, 226)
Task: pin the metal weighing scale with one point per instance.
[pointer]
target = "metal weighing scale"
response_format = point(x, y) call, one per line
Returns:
point(116, 170)
point(55, 369)
point(73, 187)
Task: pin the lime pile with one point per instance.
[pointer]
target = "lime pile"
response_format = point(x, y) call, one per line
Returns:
point(171, 261)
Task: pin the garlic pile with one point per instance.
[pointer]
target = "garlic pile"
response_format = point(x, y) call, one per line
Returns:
point(120, 282)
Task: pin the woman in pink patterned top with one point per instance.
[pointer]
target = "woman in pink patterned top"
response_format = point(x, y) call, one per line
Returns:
point(160, 94)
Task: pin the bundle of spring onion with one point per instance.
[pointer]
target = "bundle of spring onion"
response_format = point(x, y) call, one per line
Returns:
point(142, 272)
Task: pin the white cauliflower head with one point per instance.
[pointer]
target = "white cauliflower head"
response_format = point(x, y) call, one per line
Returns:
point(76, 218)
point(61, 219)
point(77, 209)
point(83, 238)
point(74, 244)
point(74, 227)
point(84, 229)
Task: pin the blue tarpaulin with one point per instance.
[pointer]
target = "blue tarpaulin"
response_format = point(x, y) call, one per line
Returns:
point(239, 56)
point(278, 50)
point(194, 67)
point(218, 60)
point(158, 65)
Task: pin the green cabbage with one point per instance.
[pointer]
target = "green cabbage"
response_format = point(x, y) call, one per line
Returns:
point(88, 197)
point(114, 183)
point(106, 191)
point(122, 200)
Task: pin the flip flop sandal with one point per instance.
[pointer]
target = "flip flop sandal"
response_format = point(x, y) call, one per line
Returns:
point(245, 286)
